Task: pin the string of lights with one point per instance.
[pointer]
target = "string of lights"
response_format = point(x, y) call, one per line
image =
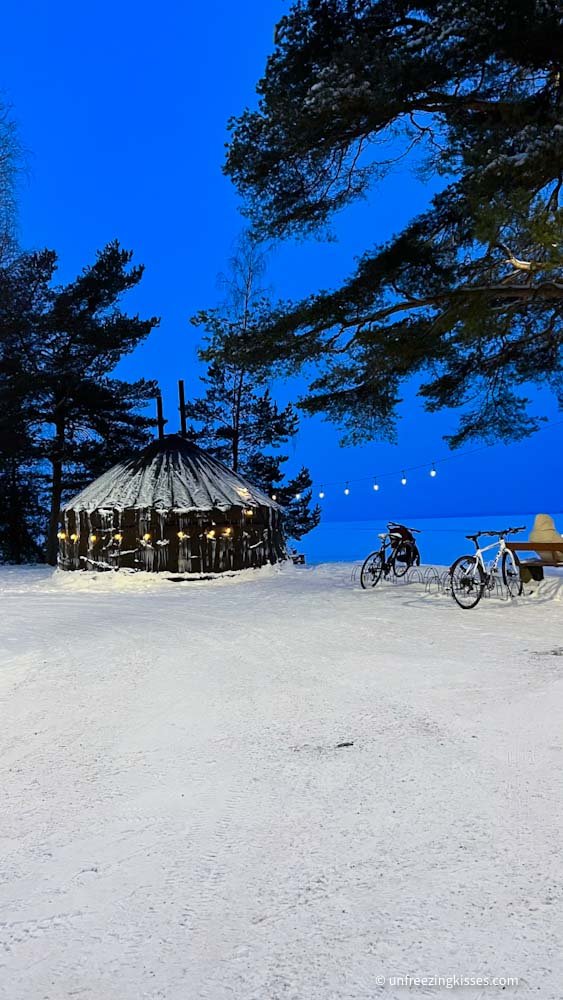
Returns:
point(430, 467)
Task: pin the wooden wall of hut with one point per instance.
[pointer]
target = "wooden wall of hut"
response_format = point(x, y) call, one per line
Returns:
point(153, 541)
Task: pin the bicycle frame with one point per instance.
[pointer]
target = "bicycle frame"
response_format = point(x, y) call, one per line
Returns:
point(392, 542)
point(502, 548)
point(386, 545)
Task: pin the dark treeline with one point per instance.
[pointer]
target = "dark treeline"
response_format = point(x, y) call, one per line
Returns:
point(63, 417)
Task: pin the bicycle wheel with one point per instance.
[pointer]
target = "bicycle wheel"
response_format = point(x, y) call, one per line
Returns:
point(402, 559)
point(511, 574)
point(467, 582)
point(371, 570)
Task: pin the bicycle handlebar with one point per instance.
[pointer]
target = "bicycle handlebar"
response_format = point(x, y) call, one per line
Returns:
point(497, 534)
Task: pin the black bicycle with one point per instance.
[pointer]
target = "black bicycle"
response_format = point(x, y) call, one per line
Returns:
point(397, 554)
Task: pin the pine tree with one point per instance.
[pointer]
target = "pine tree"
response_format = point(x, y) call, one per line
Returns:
point(468, 297)
point(236, 419)
point(58, 348)
point(23, 290)
point(21, 486)
point(10, 158)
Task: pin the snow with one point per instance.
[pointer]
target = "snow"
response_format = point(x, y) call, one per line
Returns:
point(179, 822)
point(171, 474)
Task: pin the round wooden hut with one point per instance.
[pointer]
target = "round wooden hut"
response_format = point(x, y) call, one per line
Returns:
point(171, 508)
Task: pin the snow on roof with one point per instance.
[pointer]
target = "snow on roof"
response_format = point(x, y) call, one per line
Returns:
point(169, 474)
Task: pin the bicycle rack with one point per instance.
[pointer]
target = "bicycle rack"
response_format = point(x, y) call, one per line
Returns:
point(498, 590)
point(435, 580)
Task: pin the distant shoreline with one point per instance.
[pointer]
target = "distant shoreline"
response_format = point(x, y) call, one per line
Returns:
point(441, 540)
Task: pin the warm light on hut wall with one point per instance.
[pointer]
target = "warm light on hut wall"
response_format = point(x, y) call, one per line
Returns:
point(93, 518)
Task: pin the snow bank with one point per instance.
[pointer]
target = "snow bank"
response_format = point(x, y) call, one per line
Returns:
point(45, 579)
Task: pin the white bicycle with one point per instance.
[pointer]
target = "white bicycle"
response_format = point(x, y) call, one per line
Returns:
point(470, 575)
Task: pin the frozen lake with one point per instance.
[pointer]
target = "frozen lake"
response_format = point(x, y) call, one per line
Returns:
point(441, 541)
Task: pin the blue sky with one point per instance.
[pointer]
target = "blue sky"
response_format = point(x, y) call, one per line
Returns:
point(123, 111)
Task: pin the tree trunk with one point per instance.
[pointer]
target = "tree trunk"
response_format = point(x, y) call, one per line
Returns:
point(56, 494)
point(235, 451)
point(15, 515)
point(236, 422)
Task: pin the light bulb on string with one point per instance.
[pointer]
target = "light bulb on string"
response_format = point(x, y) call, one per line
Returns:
point(298, 496)
point(274, 496)
point(433, 472)
point(347, 491)
point(321, 493)
point(403, 480)
point(375, 485)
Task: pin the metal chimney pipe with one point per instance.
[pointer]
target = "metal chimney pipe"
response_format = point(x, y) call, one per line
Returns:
point(159, 417)
point(182, 407)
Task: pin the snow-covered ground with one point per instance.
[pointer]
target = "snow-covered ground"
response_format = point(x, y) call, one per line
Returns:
point(179, 822)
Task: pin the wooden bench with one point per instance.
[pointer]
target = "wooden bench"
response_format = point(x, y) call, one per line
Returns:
point(547, 554)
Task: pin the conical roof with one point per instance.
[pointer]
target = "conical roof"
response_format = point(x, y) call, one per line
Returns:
point(170, 474)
